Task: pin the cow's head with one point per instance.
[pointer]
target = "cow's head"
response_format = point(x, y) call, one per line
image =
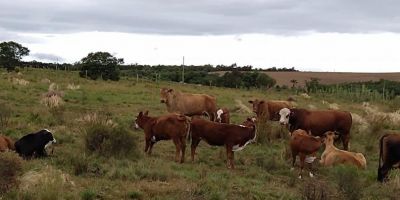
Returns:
point(284, 114)
point(165, 94)
point(219, 114)
point(257, 106)
point(330, 137)
point(47, 137)
point(250, 121)
point(139, 121)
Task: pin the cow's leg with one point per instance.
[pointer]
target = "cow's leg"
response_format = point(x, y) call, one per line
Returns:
point(146, 147)
point(151, 147)
point(294, 154)
point(177, 149)
point(195, 142)
point(345, 140)
point(229, 155)
point(183, 149)
point(302, 159)
point(383, 172)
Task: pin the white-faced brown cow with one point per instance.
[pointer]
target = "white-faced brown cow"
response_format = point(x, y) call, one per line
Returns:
point(189, 104)
point(233, 137)
point(269, 109)
point(166, 127)
point(318, 122)
point(333, 156)
point(389, 154)
point(302, 144)
point(223, 115)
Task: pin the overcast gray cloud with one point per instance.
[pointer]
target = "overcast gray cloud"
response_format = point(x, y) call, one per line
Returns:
point(47, 56)
point(186, 17)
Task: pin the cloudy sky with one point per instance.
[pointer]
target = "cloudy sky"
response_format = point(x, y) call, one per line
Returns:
point(328, 35)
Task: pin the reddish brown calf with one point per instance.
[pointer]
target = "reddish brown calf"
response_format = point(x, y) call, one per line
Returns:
point(233, 137)
point(166, 127)
point(303, 144)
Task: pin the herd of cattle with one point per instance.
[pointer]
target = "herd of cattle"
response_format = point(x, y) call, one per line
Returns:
point(309, 130)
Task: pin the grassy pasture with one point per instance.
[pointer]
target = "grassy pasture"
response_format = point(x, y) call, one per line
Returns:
point(262, 169)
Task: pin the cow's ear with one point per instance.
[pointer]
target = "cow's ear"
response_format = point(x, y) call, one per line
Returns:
point(170, 90)
point(251, 101)
point(140, 113)
point(146, 113)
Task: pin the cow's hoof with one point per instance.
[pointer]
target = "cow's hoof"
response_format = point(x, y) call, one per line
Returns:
point(292, 168)
point(311, 175)
point(299, 177)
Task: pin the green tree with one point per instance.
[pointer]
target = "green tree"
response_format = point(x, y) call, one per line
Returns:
point(11, 54)
point(264, 81)
point(100, 64)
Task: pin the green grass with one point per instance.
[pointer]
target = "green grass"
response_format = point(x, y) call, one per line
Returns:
point(262, 169)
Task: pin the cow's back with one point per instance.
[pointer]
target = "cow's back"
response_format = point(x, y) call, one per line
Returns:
point(194, 104)
point(319, 122)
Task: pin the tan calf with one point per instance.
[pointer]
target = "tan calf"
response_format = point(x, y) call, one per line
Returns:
point(333, 156)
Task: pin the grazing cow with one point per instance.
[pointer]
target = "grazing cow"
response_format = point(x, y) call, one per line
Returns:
point(223, 115)
point(35, 144)
point(171, 126)
point(333, 156)
point(389, 155)
point(250, 122)
point(318, 122)
point(269, 109)
point(6, 143)
point(233, 137)
point(303, 144)
point(188, 104)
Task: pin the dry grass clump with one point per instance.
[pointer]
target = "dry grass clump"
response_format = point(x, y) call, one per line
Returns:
point(53, 98)
point(96, 118)
point(72, 86)
point(241, 108)
point(45, 80)
point(361, 123)
point(333, 106)
point(10, 167)
point(305, 95)
point(311, 107)
point(47, 183)
point(20, 81)
point(385, 119)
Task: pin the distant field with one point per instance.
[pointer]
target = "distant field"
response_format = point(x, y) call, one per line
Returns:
point(283, 78)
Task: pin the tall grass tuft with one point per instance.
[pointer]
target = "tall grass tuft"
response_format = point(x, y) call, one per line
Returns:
point(110, 141)
point(10, 167)
point(5, 114)
point(349, 181)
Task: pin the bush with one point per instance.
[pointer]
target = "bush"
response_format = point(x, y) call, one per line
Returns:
point(110, 141)
point(348, 180)
point(313, 189)
point(10, 167)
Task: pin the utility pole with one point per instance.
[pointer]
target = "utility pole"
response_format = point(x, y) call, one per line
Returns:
point(183, 69)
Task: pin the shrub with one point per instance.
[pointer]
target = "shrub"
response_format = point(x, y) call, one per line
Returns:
point(10, 167)
point(88, 194)
point(312, 189)
point(110, 141)
point(348, 180)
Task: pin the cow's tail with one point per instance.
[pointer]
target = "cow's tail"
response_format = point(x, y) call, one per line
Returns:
point(188, 128)
point(381, 150)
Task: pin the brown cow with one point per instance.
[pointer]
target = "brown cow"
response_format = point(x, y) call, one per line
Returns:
point(270, 109)
point(233, 137)
point(166, 127)
point(318, 122)
point(189, 104)
point(303, 144)
point(389, 154)
point(6, 143)
point(223, 115)
point(333, 156)
point(250, 122)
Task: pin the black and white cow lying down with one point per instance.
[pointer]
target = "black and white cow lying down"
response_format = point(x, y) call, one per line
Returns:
point(34, 144)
